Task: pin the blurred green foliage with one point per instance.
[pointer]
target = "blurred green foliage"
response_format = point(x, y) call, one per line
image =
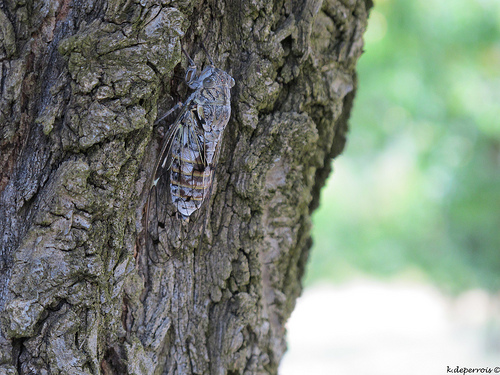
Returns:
point(417, 191)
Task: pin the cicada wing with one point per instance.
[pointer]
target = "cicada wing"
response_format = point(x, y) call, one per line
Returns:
point(196, 180)
point(204, 212)
point(155, 218)
point(158, 196)
point(171, 220)
point(192, 158)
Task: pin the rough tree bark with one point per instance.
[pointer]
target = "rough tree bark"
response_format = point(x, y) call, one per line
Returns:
point(81, 82)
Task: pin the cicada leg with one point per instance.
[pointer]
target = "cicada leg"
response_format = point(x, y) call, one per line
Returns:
point(208, 55)
point(174, 108)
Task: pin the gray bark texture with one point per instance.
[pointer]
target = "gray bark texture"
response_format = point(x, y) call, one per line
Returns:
point(82, 83)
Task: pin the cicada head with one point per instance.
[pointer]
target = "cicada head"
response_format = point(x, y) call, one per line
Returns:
point(213, 77)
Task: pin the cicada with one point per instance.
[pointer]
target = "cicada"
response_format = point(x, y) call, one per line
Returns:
point(184, 170)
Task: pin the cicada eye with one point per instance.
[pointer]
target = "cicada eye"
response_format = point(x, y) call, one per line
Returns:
point(190, 74)
point(208, 82)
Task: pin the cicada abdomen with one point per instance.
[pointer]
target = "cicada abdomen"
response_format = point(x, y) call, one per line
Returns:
point(190, 150)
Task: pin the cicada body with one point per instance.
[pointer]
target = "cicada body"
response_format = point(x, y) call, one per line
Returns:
point(195, 147)
point(191, 147)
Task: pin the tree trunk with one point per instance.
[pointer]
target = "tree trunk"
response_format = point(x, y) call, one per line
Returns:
point(81, 83)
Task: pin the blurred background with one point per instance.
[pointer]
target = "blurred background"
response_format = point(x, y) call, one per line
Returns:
point(404, 275)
